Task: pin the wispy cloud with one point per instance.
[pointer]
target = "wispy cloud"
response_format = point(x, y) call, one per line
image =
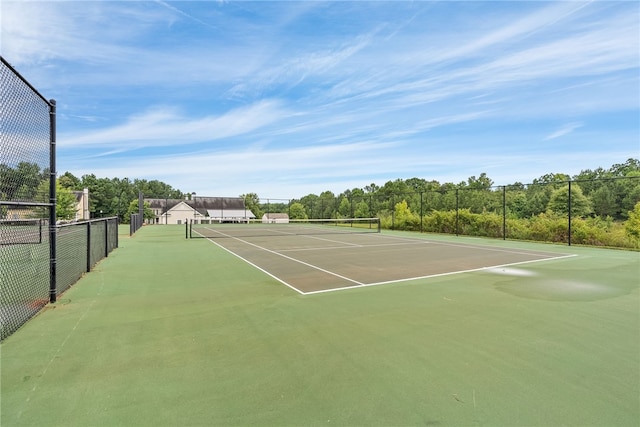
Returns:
point(564, 130)
point(310, 93)
point(166, 126)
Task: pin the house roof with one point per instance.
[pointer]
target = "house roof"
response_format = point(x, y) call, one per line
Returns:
point(276, 216)
point(201, 204)
point(230, 213)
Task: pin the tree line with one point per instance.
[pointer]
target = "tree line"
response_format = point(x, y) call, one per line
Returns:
point(108, 196)
point(609, 194)
point(594, 207)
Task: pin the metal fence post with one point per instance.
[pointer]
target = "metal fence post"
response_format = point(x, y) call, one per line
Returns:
point(457, 213)
point(52, 202)
point(569, 213)
point(504, 212)
point(88, 246)
point(421, 212)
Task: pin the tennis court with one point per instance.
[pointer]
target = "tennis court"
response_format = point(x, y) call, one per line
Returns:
point(328, 255)
point(170, 331)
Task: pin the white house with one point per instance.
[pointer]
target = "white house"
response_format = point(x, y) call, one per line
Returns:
point(275, 218)
point(200, 210)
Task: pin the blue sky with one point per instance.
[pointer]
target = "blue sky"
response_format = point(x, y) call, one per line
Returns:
point(289, 98)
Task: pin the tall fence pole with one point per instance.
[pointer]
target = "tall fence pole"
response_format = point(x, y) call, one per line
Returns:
point(504, 212)
point(569, 213)
point(457, 213)
point(421, 212)
point(52, 202)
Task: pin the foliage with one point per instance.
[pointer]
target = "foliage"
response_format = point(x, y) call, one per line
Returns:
point(112, 197)
point(404, 218)
point(297, 211)
point(23, 182)
point(559, 201)
point(632, 226)
point(147, 212)
point(252, 202)
point(601, 201)
point(344, 209)
point(65, 203)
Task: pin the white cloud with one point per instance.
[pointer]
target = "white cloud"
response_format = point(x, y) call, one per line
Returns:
point(564, 130)
point(333, 93)
point(166, 126)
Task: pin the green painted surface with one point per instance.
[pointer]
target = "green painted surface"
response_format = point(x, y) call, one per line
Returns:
point(168, 331)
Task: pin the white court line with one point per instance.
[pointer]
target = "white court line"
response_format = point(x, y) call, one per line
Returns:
point(287, 257)
point(449, 273)
point(259, 268)
point(323, 248)
point(414, 241)
point(333, 241)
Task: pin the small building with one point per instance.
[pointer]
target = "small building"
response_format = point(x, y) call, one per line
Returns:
point(230, 215)
point(199, 210)
point(82, 205)
point(275, 218)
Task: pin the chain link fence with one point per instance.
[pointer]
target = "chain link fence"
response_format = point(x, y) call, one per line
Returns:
point(587, 212)
point(38, 259)
point(27, 200)
point(594, 212)
point(80, 246)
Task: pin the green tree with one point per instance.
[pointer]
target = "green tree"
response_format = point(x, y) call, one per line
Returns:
point(252, 203)
point(327, 204)
point(404, 219)
point(559, 201)
point(310, 203)
point(147, 213)
point(71, 182)
point(344, 209)
point(296, 211)
point(65, 203)
point(632, 225)
point(362, 210)
point(23, 182)
point(604, 201)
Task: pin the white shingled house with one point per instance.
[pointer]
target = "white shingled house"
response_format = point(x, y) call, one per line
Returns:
point(200, 210)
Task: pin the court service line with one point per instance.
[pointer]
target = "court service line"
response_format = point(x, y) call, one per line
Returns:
point(291, 259)
point(448, 273)
point(333, 248)
point(333, 241)
point(258, 267)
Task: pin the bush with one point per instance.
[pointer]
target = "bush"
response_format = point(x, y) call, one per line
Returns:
point(546, 227)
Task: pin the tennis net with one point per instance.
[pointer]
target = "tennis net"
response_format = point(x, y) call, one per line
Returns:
point(291, 227)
